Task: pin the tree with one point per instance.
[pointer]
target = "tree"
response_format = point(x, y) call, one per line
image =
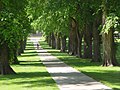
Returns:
point(79, 21)
point(109, 20)
point(11, 31)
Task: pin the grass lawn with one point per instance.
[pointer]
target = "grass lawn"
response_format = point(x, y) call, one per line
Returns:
point(110, 76)
point(31, 74)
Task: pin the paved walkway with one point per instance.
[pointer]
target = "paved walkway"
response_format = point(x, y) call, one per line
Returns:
point(66, 77)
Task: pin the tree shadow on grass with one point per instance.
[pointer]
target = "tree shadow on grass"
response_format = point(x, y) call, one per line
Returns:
point(101, 76)
point(29, 79)
point(30, 61)
point(31, 64)
point(78, 62)
point(73, 60)
point(24, 75)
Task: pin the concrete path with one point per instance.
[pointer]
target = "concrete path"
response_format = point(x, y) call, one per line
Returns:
point(66, 77)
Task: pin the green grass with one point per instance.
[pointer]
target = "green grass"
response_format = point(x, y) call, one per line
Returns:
point(31, 74)
point(110, 76)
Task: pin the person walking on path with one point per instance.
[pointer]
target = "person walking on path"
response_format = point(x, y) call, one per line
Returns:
point(38, 46)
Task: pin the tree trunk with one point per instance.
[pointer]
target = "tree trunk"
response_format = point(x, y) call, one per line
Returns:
point(53, 41)
point(21, 48)
point(72, 50)
point(96, 42)
point(50, 40)
point(58, 41)
point(18, 52)
point(46, 39)
point(109, 58)
point(114, 48)
point(108, 49)
point(4, 61)
point(79, 44)
point(15, 59)
point(63, 43)
point(69, 44)
point(88, 41)
point(25, 41)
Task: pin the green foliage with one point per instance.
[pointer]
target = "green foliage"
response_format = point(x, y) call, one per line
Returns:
point(54, 16)
point(107, 75)
point(14, 24)
point(110, 22)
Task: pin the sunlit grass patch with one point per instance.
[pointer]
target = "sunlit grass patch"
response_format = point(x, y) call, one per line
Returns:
point(31, 74)
point(110, 76)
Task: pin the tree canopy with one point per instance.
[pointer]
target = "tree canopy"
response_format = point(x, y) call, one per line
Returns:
point(85, 24)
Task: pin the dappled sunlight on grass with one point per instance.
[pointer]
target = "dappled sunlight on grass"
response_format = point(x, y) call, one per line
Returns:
point(107, 75)
point(31, 74)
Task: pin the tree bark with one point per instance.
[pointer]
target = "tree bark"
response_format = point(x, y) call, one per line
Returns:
point(108, 52)
point(50, 40)
point(96, 41)
point(79, 44)
point(109, 58)
point(4, 61)
point(21, 48)
point(25, 41)
point(15, 59)
point(58, 41)
point(114, 48)
point(46, 39)
point(88, 41)
point(63, 43)
point(72, 50)
point(53, 41)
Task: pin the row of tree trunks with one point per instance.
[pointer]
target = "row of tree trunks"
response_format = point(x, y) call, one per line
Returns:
point(22, 46)
point(17, 51)
point(15, 54)
point(75, 39)
point(92, 41)
point(57, 41)
point(4, 60)
point(8, 56)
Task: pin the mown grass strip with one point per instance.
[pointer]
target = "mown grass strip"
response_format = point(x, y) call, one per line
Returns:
point(31, 74)
point(110, 76)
